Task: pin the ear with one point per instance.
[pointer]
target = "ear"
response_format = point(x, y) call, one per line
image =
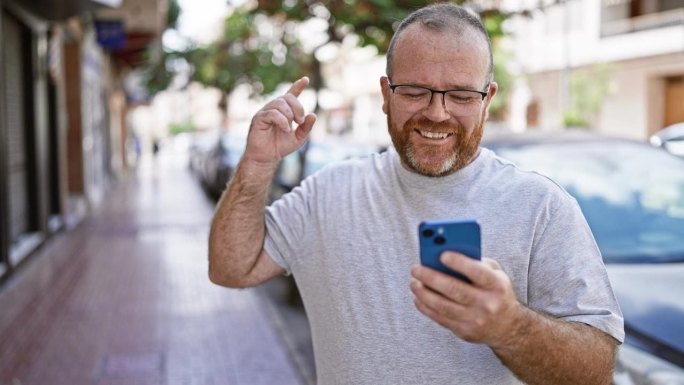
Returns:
point(384, 86)
point(488, 100)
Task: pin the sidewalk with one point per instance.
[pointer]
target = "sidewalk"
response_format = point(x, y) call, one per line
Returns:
point(124, 299)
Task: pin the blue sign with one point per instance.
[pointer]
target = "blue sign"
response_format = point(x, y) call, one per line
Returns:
point(111, 34)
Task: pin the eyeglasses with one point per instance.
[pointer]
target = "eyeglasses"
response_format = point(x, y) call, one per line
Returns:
point(455, 102)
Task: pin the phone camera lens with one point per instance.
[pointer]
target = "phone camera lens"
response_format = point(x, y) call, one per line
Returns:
point(440, 240)
point(428, 233)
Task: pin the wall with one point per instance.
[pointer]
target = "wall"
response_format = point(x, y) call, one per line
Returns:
point(635, 107)
point(567, 38)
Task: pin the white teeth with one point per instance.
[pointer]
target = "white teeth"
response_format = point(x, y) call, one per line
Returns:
point(433, 135)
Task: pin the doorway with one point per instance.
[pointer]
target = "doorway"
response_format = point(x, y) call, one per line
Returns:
point(674, 100)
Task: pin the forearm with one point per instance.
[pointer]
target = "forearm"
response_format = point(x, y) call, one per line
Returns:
point(237, 230)
point(551, 351)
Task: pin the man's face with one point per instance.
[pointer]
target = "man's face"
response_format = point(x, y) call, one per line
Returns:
point(430, 140)
point(444, 156)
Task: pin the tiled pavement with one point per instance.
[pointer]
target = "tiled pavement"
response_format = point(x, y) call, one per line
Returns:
point(124, 299)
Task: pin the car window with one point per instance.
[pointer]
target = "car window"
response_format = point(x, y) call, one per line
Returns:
point(323, 154)
point(234, 148)
point(290, 170)
point(632, 195)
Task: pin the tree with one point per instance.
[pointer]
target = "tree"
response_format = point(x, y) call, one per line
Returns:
point(254, 50)
point(259, 45)
point(157, 76)
point(588, 89)
point(374, 22)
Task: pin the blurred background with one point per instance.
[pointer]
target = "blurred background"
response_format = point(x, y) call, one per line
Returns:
point(95, 94)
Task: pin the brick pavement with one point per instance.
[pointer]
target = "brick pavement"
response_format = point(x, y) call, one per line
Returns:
point(124, 299)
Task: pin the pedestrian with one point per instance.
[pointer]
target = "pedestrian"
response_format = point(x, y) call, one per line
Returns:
point(539, 308)
point(155, 146)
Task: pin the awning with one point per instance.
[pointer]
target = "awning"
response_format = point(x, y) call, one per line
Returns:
point(56, 10)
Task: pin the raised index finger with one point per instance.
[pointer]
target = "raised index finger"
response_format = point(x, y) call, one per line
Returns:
point(298, 86)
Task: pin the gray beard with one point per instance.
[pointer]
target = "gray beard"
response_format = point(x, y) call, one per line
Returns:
point(445, 168)
point(464, 151)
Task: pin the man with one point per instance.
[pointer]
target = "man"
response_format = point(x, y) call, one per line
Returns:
point(539, 309)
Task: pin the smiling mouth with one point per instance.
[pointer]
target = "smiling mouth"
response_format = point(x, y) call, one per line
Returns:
point(433, 135)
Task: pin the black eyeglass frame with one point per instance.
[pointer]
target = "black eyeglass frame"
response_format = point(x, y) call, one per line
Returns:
point(432, 92)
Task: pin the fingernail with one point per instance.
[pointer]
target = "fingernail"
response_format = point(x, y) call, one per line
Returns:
point(447, 258)
point(414, 285)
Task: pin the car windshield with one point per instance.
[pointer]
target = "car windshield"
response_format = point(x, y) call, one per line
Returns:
point(632, 195)
point(322, 154)
point(233, 146)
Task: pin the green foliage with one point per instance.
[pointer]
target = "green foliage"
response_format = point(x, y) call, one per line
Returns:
point(504, 80)
point(572, 118)
point(259, 45)
point(173, 14)
point(493, 22)
point(374, 22)
point(588, 90)
point(254, 50)
point(158, 76)
point(178, 128)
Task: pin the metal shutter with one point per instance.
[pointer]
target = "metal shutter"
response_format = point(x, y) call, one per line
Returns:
point(15, 109)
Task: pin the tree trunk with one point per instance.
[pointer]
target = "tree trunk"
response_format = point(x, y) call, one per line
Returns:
point(223, 105)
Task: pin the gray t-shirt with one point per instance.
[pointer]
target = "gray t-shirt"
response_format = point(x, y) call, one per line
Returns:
point(349, 237)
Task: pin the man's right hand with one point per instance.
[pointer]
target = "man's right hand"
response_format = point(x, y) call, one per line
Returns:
point(271, 136)
point(236, 239)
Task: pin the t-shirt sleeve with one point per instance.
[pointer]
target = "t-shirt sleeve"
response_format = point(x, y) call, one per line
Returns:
point(287, 220)
point(568, 279)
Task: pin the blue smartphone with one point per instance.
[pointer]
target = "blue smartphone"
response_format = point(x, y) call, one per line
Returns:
point(436, 237)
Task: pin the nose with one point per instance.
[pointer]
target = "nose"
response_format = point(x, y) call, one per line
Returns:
point(436, 109)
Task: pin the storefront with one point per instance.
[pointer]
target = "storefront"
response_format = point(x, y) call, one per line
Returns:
point(54, 148)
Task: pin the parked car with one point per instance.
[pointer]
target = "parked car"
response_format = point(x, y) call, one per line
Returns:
point(670, 138)
point(312, 157)
point(632, 196)
point(220, 162)
point(200, 144)
point(213, 157)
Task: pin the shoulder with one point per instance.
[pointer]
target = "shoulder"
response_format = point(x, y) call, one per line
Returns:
point(511, 177)
point(515, 186)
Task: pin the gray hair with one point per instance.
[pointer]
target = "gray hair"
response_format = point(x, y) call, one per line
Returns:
point(440, 17)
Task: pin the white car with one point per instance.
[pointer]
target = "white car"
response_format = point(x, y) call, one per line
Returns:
point(632, 195)
point(670, 138)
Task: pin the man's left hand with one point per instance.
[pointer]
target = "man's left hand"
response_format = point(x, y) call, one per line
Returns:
point(484, 311)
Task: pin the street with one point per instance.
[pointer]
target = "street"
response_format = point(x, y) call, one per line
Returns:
point(124, 298)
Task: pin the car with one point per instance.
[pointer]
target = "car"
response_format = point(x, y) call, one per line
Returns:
point(311, 157)
point(201, 142)
point(220, 162)
point(212, 159)
point(632, 195)
point(670, 138)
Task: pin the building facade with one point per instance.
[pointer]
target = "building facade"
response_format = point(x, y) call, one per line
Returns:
point(62, 114)
point(614, 66)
